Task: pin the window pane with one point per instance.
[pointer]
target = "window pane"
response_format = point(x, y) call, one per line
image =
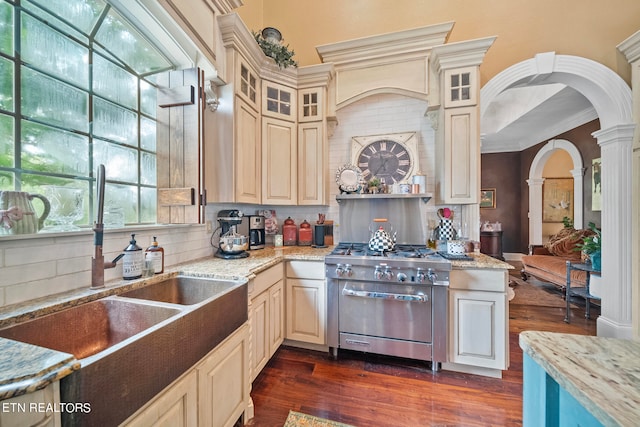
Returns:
point(148, 101)
point(115, 123)
point(52, 52)
point(82, 14)
point(148, 169)
point(51, 150)
point(114, 83)
point(6, 181)
point(6, 142)
point(125, 196)
point(147, 134)
point(6, 84)
point(148, 203)
point(121, 163)
point(6, 28)
point(69, 201)
point(116, 35)
point(54, 102)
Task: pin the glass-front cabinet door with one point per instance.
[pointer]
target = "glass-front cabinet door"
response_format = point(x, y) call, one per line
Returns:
point(310, 104)
point(279, 101)
point(248, 85)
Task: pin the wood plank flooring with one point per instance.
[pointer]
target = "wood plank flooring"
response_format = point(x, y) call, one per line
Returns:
point(369, 390)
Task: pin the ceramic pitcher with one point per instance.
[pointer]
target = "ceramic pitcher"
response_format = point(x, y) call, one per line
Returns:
point(17, 215)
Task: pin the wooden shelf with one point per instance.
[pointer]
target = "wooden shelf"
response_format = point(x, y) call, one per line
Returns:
point(358, 196)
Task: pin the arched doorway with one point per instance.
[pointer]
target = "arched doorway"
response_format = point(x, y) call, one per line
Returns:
point(611, 98)
point(536, 181)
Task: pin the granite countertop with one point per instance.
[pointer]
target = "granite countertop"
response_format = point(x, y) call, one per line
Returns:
point(25, 368)
point(603, 374)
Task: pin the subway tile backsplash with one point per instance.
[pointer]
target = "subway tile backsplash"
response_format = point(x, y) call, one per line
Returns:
point(36, 267)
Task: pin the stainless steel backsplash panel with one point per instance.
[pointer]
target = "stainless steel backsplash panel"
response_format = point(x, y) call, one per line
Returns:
point(407, 216)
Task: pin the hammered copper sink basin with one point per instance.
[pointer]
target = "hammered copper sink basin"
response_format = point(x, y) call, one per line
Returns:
point(89, 328)
point(182, 290)
point(131, 346)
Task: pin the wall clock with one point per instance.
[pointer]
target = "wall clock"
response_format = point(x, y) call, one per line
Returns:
point(392, 157)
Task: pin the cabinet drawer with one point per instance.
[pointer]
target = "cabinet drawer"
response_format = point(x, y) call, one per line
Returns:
point(266, 278)
point(306, 269)
point(479, 280)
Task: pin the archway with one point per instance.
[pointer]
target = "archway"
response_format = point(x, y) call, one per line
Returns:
point(611, 98)
point(536, 181)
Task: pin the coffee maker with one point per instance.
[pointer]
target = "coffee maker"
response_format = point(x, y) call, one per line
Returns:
point(253, 226)
point(232, 245)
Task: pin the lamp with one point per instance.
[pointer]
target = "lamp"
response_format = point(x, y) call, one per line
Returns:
point(211, 96)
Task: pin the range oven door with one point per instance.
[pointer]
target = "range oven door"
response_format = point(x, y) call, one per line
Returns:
point(385, 310)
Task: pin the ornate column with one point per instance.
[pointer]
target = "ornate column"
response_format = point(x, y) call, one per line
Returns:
point(615, 148)
point(631, 49)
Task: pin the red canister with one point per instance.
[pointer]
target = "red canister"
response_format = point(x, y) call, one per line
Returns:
point(289, 232)
point(305, 236)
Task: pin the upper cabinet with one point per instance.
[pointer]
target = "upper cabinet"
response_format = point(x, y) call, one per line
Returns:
point(311, 105)
point(458, 139)
point(247, 83)
point(279, 101)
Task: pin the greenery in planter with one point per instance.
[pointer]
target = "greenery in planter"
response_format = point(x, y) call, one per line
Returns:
point(276, 50)
point(591, 244)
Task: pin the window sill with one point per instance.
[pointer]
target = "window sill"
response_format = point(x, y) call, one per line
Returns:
point(89, 231)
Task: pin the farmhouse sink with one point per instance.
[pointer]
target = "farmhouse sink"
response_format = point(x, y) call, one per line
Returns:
point(182, 290)
point(90, 328)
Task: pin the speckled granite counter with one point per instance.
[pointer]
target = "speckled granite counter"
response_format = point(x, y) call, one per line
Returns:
point(25, 368)
point(480, 261)
point(602, 374)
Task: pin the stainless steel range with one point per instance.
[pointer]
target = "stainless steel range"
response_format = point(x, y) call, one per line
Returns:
point(392, 303)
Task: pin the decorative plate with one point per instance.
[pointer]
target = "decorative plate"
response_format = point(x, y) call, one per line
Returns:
point(348, 178)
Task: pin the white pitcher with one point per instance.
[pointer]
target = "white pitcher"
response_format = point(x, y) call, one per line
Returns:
point(17, 215)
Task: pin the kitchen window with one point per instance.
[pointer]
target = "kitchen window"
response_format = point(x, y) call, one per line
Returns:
point(77, 89)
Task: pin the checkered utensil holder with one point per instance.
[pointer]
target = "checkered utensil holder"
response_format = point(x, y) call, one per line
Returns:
point(446, 229)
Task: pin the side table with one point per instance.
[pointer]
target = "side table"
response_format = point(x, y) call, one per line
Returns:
point(581, 292)
point(491, 244)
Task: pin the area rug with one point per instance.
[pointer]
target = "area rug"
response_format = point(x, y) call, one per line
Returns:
point(296, 419)
point(538, 295)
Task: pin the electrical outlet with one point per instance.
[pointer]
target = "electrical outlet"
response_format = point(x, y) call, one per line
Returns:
point(209, 226)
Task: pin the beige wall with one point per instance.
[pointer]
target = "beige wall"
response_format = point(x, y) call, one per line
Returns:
point(587, 28)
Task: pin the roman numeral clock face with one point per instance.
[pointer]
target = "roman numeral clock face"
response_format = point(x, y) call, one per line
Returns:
point(385, 159)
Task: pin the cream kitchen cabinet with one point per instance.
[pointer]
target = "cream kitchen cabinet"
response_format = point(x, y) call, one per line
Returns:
point(313, 160)
point(223, 381)
point(176, 406)
point(279, 162)
point(306, 302)
point(247, 178)
point(478, 321)
point(279, 101)
point(266, 317)
point(215, 392)
point(311, 104)
point(19, 411)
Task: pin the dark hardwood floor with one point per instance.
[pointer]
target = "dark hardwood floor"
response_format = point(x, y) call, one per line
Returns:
point(369, 390)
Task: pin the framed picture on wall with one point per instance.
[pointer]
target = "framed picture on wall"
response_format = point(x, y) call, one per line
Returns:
point(596, 189)
point(557, 199)
point(488, 198)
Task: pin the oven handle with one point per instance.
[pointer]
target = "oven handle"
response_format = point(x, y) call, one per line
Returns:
point(384, 295)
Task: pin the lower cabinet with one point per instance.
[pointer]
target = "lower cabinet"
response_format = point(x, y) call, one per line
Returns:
point(215, 392)
point(18, 411)
point(478, 319)
point(306, 302)
point(266, 317)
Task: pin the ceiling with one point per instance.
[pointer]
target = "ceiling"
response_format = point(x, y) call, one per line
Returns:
point(521, 117)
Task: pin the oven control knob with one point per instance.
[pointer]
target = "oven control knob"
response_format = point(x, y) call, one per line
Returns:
point(388, 274)
point(339, 270)
point(432, 275)
point(347, 270)
point(420, 275)
point(378, 272)
point(402, 277)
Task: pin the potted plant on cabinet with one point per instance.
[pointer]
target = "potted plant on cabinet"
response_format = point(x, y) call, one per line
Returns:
point(270, 41)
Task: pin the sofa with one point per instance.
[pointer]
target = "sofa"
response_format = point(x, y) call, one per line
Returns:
point(548, 262)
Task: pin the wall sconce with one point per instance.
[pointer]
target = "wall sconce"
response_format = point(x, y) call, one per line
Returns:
point(211, 96)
